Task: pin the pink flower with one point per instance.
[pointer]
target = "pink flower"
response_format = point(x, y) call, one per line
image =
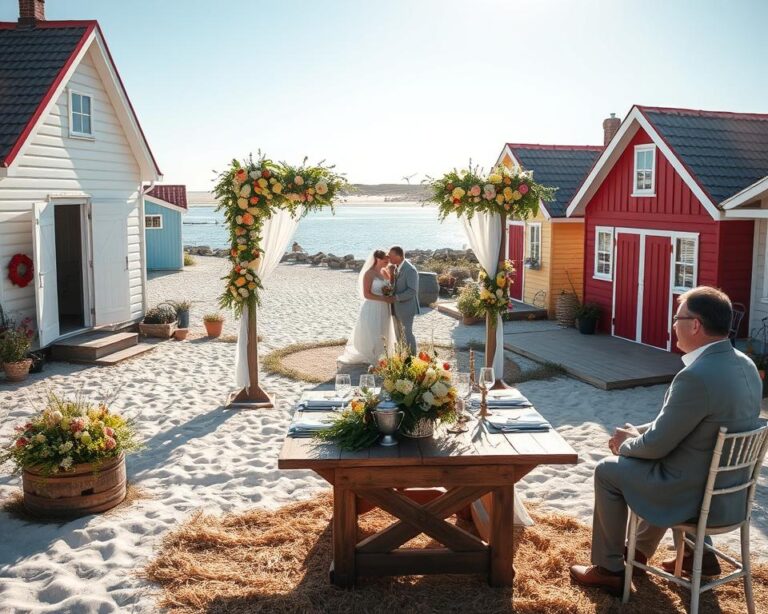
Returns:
point(110, 443)
point(21, 442)
point(522, 188)
point(109, 431)
point(77, 425)
point(474, 190)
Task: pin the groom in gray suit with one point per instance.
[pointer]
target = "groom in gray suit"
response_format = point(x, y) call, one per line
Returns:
point(406, 296)
point(661, 468)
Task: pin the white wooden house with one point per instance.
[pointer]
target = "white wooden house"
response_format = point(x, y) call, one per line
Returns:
point(73, 160)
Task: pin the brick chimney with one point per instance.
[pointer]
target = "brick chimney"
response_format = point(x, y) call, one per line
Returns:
point(31, 11)
point(610, 128)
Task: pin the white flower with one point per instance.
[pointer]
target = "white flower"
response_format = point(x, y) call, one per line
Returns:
point(57, 416)
point(65, 447)
point(404, 386)
point(489, 191)
point(40, 438)
point(66, 463)
point(243, 292)
point(246, 190)
point(428, 398)
point(430, 376)
point(254, 174)
point(78, 434)
point(322, 188)
point(439, 389)
point(499, 293)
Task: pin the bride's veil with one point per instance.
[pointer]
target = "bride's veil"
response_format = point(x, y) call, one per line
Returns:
point(369, 262)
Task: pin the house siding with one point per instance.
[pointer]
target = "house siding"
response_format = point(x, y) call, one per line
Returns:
point(567, 257)
point(673, 208)
point(55, 164)
point(759, 304)
point(735, 264)
point(164, 244)
point(536, 282)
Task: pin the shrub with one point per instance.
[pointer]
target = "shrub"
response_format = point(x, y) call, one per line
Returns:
point(189, 260)
point(588, 311)
point(213, 317)
point(469, 303)
point(446, 265)
point(162, 314)
point(14, 345)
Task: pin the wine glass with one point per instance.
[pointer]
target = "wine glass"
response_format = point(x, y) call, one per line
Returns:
point(463, 390)
point(487, 378)
point(343, 385)
point(367, 382)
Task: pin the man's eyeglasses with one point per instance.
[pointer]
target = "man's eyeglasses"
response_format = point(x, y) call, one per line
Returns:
point(675, 318)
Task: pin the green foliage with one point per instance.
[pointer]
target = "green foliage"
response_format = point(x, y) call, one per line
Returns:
point(14, 345)
point(69, 432)
point(354, 428)
point(468, 302)
point(213, 317)
point(588, 311)
point(189, 259)
point(178, 306)
point(162, 314)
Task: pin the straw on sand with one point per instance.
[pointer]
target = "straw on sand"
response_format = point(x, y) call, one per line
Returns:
point(277, 561)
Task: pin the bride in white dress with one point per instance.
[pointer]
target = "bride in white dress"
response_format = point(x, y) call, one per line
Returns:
point(374, 330)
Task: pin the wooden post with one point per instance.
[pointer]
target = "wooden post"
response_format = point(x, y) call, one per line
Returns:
point(490, 321)
point(252, 395)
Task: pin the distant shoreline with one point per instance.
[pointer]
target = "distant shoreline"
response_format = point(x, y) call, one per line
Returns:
point(356, 201)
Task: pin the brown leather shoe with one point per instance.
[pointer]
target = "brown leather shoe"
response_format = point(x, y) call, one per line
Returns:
point(594, 576)
point(710, 566)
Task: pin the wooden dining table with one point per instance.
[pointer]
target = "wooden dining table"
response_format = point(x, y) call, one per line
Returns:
point(478, 468)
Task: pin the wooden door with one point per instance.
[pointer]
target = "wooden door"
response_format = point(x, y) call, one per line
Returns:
point(111, 285)
point(626, 279)
point(516, 248)
point(46, 284)
point(655, 284)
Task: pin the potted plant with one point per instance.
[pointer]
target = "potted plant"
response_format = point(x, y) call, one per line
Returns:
point(587, 315)
point(159, 322)
point(214, 323)
point(447, 283)
point(14, 350)
point(469, 304)
point(182, 311)
point(72, 457)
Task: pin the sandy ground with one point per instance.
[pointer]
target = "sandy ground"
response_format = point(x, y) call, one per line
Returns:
point(199, 455)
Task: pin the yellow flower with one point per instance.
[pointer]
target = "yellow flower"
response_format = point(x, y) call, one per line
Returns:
point(358, 406)
point(251, 286)
point(310, 190)
point(499, 198)
point(494, 178)
point(516, 195)
point(501, 280)
point(485, 294)
point(254, 210)
point(241, 248)
point(277, 188)
point(508, 193)
point(458, 192)
point(242, 203)
point(254, 264)
point(263, 182)
point(388, 385)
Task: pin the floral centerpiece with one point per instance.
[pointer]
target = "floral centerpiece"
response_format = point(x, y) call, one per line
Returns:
point(354, 428)
point(69, 432)
point(421, 386)
point(249, 192)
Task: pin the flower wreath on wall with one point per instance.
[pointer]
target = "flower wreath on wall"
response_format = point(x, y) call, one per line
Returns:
point(508, 193)
point(249, 193)
point(21, 271)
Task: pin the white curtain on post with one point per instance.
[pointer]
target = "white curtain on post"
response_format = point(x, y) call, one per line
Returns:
point(276, 234)
point(485, 235)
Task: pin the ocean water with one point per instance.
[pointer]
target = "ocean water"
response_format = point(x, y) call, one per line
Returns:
point(357, 229)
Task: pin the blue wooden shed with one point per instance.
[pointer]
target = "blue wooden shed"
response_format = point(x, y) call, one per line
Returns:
point(163, 207)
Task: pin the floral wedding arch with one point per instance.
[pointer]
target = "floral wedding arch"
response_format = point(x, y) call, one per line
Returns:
point(484, 203)
point(262, 202)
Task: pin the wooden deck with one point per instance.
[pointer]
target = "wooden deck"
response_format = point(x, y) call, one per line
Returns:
point(521, 311)
point(601, 360)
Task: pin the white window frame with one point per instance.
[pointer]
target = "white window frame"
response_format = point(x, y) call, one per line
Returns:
point(604, 230)
point(72, 132)
point(647, 191)
point(153, 215)
point(680, 289)
point(528, 255)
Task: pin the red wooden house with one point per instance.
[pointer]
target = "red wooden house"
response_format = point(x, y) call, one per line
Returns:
point(654, 221)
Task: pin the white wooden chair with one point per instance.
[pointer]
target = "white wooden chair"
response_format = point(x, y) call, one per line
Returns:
point(745, 452)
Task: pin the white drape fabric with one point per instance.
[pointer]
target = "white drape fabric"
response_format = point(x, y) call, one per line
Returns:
point(485, 235)
point(277, 233)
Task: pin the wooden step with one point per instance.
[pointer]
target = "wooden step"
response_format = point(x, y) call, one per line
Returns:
point(92, 346)
point(136, 350)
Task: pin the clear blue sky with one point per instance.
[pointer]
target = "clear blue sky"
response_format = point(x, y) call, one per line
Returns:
point(396, 87)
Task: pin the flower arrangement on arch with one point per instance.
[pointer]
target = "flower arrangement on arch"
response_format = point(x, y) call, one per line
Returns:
point(420, 384)
point(511, 192)
point(69, 432)
point(494, 294)
point(249, 193)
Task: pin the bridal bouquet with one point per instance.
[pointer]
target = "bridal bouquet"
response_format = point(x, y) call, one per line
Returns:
point(511, 192)
point(420, 385)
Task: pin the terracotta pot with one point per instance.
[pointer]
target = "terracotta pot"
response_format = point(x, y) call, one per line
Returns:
point(181, 333)
point(471, 320)
point(213, 328)
point(163, 331)
point(17, 371)
point(87, 489)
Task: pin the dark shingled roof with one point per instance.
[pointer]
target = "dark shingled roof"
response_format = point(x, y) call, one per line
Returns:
point(30, 59)
point(559, 166)
point(174, 194)
point(725, 152)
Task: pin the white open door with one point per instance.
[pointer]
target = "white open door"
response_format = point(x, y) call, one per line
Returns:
point(111, 289)
point(46, 288)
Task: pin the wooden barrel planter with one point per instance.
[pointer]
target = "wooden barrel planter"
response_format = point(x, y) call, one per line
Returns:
point(565, 309)
point(88, 489)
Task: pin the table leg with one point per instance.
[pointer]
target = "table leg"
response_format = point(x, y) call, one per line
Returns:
point(502, 537)
point(344, 536)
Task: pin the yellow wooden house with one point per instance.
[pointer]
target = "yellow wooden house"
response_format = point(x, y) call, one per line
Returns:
point(548, 249)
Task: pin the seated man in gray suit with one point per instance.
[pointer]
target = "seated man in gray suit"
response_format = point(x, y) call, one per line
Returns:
point(661, 468)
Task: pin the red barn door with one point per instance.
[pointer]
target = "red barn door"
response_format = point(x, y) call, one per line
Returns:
point(625, 299)
point(516, 246)
point(656, 291)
